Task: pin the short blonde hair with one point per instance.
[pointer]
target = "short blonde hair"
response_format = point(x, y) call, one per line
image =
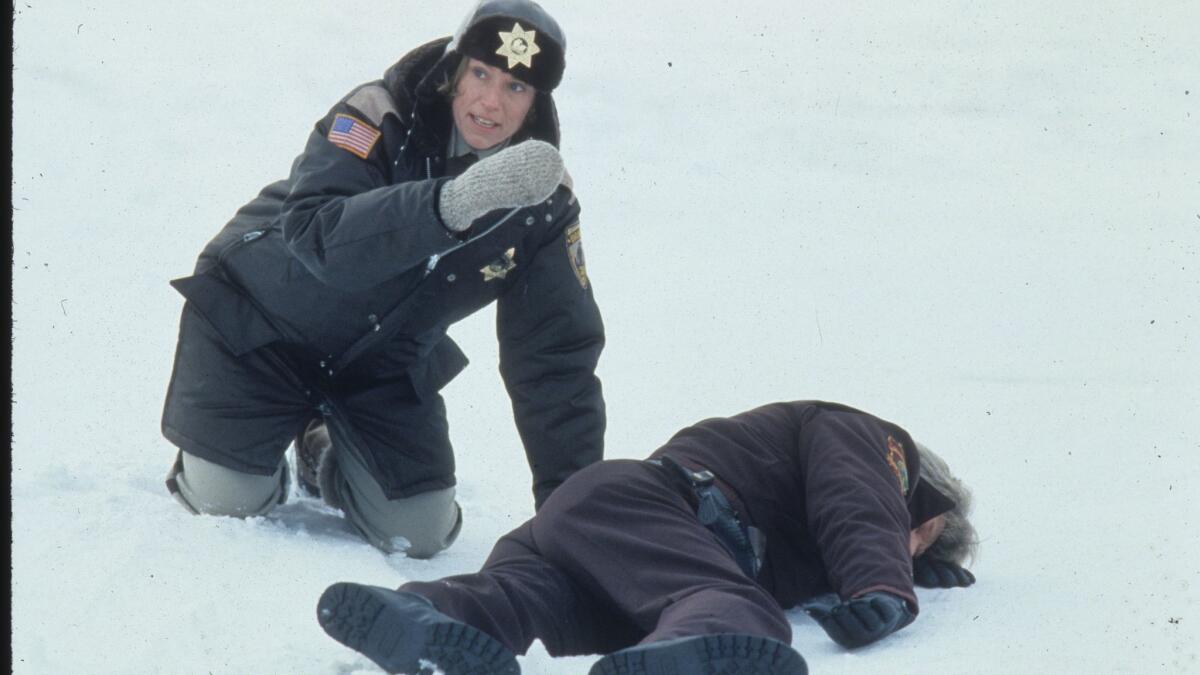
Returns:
point(449, 85)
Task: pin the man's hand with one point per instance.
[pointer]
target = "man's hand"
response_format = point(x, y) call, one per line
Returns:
point(862, 620)
point(932, 573)
point(521, 175)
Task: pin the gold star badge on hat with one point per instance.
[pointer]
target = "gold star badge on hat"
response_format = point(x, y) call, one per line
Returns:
point(518, 46)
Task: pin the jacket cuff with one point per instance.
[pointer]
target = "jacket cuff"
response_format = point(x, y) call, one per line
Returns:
point(437, 204)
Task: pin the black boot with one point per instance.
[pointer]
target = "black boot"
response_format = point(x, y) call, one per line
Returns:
point(403, 633)
point(311, 444)
point(721, 654)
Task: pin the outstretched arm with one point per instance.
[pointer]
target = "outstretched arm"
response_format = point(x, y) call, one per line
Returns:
point(859, 517)
point(551, 336)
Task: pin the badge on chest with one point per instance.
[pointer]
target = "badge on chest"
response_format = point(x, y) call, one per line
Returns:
point(499, 268)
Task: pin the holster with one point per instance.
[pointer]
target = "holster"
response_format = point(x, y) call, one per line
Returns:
point(745, 543)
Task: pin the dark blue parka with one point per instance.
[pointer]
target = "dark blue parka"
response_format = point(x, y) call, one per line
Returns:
point(835, 491)
point(348, 255)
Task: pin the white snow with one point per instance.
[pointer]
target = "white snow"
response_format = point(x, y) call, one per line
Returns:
point(979, 220)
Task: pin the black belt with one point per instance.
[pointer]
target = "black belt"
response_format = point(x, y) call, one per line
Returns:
point(744, 542)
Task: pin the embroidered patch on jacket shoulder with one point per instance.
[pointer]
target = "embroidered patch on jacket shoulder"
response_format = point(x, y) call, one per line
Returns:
point(575, 253)
point(353, 134)
point(895, 458)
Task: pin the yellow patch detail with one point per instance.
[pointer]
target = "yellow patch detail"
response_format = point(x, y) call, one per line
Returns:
point(895, 458)
point(501, 267)
point(574, 239)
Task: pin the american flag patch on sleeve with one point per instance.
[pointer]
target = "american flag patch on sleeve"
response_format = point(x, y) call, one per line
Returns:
point(353, 134)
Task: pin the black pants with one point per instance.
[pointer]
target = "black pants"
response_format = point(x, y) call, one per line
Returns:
point(614, 557)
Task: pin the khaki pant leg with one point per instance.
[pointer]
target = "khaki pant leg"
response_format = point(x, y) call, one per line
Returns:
point(209, 488)
point(418, 526)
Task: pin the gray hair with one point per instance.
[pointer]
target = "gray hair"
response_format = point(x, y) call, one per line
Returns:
point(958, 541)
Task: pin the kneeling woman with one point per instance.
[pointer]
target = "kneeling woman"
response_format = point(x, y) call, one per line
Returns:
point(319, 313)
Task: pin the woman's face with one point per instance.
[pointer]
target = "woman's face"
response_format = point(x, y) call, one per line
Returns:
point(489, 104)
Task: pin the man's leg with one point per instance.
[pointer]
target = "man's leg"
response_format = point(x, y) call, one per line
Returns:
point(474, 623)
point(404, 633)
point(721, 654)
point(626, 532)
point(519, 596)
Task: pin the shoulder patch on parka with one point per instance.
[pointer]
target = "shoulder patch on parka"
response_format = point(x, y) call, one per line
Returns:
point(350, 133)
point(895, 459)
point(374, 102)
point(574, 240)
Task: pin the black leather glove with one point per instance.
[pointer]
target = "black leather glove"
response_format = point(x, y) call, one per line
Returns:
point(933, 573)
point(861, 621)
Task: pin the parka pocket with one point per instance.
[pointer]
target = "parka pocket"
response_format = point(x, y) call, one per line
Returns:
point(435, 371)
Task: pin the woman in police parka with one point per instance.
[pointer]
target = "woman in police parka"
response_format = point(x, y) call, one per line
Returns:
point(319, 313)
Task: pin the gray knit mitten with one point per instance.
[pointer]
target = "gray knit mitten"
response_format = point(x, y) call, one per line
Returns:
point(521, 175)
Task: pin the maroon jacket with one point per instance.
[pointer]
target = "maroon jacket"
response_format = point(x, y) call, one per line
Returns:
point(835, 490)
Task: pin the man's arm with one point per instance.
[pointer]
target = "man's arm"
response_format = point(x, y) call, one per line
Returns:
point(858, 515)
point(551, 336)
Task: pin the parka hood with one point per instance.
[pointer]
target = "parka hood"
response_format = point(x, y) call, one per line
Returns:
point(414, 81)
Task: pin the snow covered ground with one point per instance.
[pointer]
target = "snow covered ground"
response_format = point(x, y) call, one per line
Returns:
point(979, 220)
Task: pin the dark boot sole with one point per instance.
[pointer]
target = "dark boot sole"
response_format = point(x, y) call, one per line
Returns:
point(724, 654)
point(405, 635)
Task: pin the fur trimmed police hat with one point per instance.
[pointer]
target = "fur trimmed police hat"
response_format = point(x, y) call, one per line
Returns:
point(517, 36)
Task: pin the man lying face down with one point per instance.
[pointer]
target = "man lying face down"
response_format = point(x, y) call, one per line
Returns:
point(685, 562)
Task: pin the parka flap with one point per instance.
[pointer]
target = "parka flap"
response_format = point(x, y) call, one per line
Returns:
point(232, 315)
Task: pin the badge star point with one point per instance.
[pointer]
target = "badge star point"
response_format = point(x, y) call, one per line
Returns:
point(500, 268)
point(518, 46)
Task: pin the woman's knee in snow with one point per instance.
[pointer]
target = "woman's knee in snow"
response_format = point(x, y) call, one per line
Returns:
point(205, 487)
